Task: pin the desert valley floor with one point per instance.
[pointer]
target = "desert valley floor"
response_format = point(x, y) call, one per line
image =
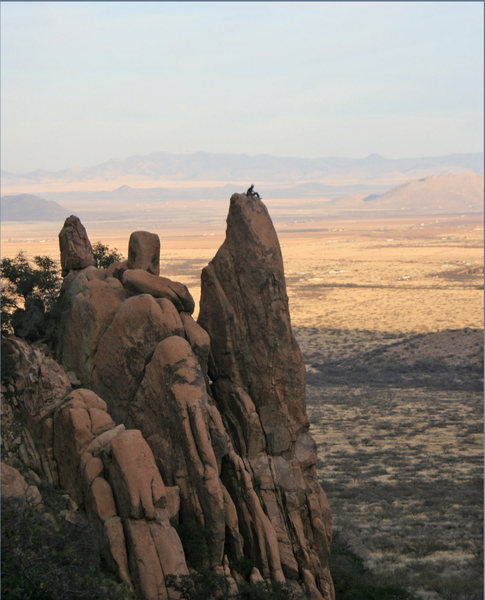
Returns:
point(389, 315)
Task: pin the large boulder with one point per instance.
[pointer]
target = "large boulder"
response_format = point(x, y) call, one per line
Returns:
point(144, 252)
point(15, 487)
point(139, 281)
point(179, 433)
point(126, 346)
point(112, 473)
point(91, 304)
point(75, 247)
point(33, 386)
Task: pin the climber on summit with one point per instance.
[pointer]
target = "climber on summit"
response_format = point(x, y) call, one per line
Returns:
point(251, 193)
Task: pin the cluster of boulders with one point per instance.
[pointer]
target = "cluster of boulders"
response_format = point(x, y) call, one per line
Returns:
point(174, 421)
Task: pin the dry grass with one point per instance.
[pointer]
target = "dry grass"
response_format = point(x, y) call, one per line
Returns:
point(389, 315)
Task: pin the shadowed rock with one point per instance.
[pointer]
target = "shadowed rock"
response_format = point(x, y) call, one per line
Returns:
point(244, 308)
point(112, 472)
point(259, 385)
point(218, 435)
point(14, 486)
point(141, 282)
point(75, 247)
point(144, 252)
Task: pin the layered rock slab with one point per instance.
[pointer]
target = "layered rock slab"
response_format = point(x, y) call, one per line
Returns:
point(258, 377)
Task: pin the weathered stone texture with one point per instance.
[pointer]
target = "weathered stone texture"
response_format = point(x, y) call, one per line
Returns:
point(199, 423)
point(75, 247)
point(144, 252)
point(259, 385)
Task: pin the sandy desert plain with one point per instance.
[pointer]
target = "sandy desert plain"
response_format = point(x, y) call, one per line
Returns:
point(388, 312)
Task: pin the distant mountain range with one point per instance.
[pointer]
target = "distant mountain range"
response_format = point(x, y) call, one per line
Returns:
point(203, 166)
point(27, 207)
point(437, 194)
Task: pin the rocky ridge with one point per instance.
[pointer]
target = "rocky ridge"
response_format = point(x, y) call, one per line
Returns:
point(152, 421)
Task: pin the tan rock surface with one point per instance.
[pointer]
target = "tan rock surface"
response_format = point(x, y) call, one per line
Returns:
point(240, 464)
point(144, 252)
point(257, 369)
point(244, 306)
point(75, 247)
point(197, 337)
point(139, 281)
point(137, 482)
point(179, 434)
point(36, 386)
point(125, 347)
point(91, 306)
point(14, 486)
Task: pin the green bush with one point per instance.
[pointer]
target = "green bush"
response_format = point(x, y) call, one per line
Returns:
point(104, 256)
point(37, 285)
point(265, 590)
point(48, 558)
point(35, 288)
point(207, 585)
point(201, 585)
point(194, 540)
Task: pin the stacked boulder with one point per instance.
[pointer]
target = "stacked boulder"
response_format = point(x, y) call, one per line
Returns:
point(215, 410)
point(111, 471)
point(65, 436)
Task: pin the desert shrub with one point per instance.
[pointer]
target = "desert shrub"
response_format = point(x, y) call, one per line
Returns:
point(194, 540)
point(104, 256)
point(353, 581)
point(30, 297)
point(207, 585)
point(265, 590)
point(44, 558)
point(200, 585)
point(35, 287)
point(243, 566)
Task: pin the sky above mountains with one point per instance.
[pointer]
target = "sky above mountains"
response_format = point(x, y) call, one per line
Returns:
point(83, 82)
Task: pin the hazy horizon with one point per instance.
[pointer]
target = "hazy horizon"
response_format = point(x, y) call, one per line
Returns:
point(85, 83)
point(370, 155)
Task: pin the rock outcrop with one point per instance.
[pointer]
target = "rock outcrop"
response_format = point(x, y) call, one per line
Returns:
point(76, 249)
point(258, 382)
point(199, 425)
point(15, 486)
point(112, 472)
point(144, 252)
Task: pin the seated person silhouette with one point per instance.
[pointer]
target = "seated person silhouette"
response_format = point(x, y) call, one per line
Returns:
point(251, 193)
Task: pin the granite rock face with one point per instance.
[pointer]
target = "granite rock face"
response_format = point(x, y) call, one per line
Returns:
point(111, 471)
point(75, 247)
point(195, 425)
point(139, 281)
point(258, 382)
point(144, 252)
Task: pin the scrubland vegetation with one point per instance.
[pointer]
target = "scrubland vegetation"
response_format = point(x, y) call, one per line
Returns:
point(390, 322)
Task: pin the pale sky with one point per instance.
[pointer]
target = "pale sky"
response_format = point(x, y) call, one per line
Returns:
point(84, 82)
